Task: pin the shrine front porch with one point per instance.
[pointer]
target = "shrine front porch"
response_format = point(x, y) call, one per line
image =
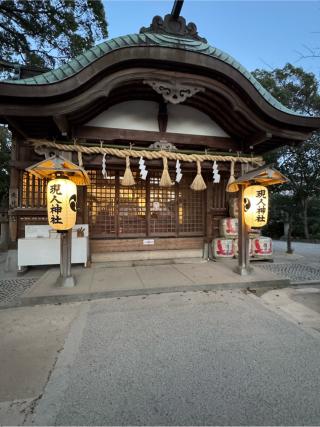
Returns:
point(115, 280)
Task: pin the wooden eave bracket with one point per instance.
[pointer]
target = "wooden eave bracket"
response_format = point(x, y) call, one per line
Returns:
point(258, 138)
point(15, 126)
point(62, 124)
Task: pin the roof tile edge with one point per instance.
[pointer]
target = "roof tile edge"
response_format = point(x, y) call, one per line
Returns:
point(147, 39)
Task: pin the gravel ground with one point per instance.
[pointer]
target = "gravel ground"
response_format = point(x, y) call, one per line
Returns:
point(293, 271)
point(12, 289)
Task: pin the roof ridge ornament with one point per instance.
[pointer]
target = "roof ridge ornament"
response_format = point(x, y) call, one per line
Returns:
point(170, 25)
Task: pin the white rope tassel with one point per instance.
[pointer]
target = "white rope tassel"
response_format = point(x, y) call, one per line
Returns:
point(215, 171)
point(104, 166)
point(143, 169)
point(178, 172)
point(80, 162)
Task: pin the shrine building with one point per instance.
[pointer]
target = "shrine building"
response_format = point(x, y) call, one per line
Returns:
point(138, 105)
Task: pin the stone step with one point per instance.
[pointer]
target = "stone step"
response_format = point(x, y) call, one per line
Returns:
point(158, 257)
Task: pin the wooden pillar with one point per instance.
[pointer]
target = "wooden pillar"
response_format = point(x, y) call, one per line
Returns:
point(13, 195)
point(148, 212)
point(209, 206)
point(82, 210)
point(208, 253)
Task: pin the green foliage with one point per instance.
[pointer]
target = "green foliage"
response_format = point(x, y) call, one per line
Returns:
point(293, 202)
point(5, 149)
point(293, 87)
point(47, 33)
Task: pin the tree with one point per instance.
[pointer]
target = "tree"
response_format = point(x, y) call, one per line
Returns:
point(293, 87)
point(298, 90)
point(45, 34)
point(48, 33)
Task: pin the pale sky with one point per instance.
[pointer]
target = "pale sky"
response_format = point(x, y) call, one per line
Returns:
point(258, 33)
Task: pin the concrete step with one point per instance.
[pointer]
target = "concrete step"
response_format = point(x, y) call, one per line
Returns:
point(160, 257)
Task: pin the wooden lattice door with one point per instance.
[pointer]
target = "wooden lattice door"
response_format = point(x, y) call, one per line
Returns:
point(145, 209)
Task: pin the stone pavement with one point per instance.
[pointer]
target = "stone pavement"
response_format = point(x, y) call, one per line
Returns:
point(14, 284)
point(194, 358)
point(103, 280)
point(301, 267)
point(300, 304)
point(123, 278)
point(31, 339)
point(228, 358)
point(296, 272)
point(12, 289)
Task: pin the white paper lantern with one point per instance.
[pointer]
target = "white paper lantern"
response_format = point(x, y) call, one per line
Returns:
point(62, 204)
point(256, 200)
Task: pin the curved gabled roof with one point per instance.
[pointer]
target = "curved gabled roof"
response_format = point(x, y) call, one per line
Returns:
point(146, 39)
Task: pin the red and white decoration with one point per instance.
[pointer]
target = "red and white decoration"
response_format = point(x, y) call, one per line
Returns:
point(262, 247)
point(228, 227)
point(223, 248)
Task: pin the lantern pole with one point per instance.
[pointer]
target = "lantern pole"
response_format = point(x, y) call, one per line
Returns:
point(243, 267)
point(66, 279)
point(57, 168)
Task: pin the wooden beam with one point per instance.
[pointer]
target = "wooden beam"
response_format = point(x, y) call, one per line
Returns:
point(117, 163)
point(162, 117)
point(111, 134)
point(62, 124)
point(13, 124)
point(258, 138)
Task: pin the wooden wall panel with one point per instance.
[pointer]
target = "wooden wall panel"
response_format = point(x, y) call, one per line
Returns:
point(119, 245)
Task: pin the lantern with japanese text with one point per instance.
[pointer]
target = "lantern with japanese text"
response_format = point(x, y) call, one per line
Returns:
point(255, 200)
point(62, 204)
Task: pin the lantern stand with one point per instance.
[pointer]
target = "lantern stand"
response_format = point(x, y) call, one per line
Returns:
point(243, 267)
point(265, 175)
point(66, 280)
point(56, 167)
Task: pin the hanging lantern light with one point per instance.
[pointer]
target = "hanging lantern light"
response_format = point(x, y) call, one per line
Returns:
point(62, 203)
point(255, 200)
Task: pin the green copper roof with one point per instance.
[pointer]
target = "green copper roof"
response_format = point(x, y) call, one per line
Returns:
point(147, 39)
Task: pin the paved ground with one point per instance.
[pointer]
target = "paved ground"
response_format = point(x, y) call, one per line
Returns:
point(31, 339)
point(296, 272)
point(306, 253)
point(13, 284)
point(184, 359)
point(102, 280)
point(301, 266)
point(300, 303)
point(310, 299)
point(12, 289)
